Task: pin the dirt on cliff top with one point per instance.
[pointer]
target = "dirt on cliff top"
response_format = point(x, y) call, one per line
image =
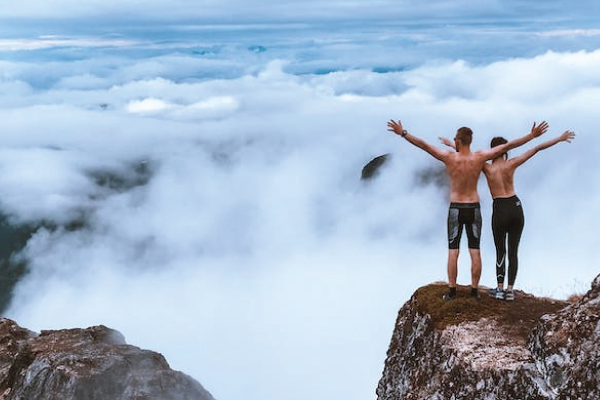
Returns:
point(521, 315)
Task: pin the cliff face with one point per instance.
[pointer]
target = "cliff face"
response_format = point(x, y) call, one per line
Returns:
point(93, 364)
point(483, 349)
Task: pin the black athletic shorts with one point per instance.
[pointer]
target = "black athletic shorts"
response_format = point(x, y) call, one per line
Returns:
point(467, 215)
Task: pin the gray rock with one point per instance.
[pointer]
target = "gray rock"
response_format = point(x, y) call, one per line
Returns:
point(479, 349)
point(372, 168)
point(92, 364)
point(566, 348)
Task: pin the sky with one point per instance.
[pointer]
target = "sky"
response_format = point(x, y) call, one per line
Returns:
point(110, 11)
point(192, 172)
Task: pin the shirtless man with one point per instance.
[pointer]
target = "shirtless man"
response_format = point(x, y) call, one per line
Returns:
point(464, 168)
point(507, 216)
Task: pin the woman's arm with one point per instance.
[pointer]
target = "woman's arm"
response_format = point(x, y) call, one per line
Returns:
point(447, 142)
point(536, 131)
point(567, 136)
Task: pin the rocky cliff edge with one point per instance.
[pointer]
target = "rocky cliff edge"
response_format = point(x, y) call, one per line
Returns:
point(92, 364)
point(480, 349)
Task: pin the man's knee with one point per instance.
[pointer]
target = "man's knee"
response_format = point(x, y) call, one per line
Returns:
point(453, 254)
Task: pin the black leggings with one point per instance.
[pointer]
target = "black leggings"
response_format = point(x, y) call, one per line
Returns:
point(507, 226)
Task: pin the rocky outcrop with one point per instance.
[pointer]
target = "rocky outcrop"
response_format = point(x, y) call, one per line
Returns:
point(93, 364)
point(371, 169)
point(478, 349)
point(566, 348)
point(434, 174)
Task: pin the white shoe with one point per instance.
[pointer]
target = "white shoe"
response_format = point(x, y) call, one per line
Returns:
point(496, 293)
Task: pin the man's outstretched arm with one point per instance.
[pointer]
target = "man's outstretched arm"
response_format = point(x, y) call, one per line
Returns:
point(536, 131)
point(396, 127)
point(567, 136)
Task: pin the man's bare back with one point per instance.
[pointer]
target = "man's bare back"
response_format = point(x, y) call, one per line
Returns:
point(464, 169)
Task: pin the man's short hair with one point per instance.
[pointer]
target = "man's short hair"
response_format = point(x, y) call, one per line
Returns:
point(498, 141)
point(465, 135)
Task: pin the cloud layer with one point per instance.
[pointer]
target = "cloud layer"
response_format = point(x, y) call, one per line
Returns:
point(220, 215)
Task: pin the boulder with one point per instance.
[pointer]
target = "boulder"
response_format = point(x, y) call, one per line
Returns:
point(372, 168)
point(474, 349)
point(94, 363)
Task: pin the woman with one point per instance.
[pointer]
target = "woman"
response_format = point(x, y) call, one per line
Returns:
point(507, 215)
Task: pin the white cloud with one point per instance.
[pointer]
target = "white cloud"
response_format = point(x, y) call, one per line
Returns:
point(253, 241)
point(148, 105)
point(50, 42)
point(571, 32)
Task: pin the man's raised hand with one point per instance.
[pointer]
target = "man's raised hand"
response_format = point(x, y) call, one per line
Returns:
point(540, 129)
point(395, 126)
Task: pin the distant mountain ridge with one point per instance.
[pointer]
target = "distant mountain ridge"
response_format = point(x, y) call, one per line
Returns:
point(468, 349)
